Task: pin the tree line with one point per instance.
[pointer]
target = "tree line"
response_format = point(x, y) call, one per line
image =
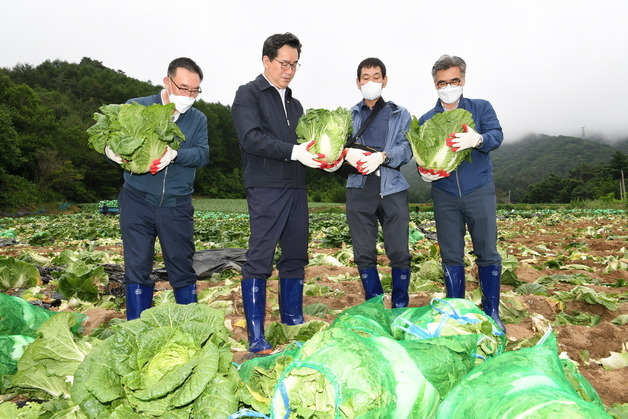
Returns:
point(584, 182)
point(45, 111)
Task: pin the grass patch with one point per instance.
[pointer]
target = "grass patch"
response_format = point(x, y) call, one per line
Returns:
point(240, 206)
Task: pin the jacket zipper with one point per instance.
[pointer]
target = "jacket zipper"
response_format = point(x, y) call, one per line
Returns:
point(163, 187)
point(385, 143)
point(458, 184)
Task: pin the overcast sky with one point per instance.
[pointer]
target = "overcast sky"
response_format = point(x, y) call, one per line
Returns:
point(556, 67)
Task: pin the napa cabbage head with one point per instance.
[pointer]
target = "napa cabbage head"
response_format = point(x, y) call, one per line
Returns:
point(329, 129)
point(174, 361)
point(138, 133)
point(429, 141)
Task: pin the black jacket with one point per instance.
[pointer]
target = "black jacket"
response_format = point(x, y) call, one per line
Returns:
point(266, 136)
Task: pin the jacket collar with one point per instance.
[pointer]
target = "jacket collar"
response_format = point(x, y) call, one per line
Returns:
point(264, 84)
point(358, 106)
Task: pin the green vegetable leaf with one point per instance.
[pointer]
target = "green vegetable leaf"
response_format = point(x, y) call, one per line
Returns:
point(52, 357)
point(17, 274)
point(329, 129)
point(428, 141)
point(586, 294)
point(139, 134)
point(161, 365)
point(582, 319)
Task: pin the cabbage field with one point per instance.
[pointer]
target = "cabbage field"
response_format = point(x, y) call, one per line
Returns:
point(563, 270)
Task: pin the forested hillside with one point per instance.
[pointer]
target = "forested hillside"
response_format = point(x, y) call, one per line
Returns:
point(44, 113)
point(46, 109)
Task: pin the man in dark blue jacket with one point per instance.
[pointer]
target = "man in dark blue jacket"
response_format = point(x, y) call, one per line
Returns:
point(265, 116)
point(466, 196)
point(378, 192)
point(159, 203)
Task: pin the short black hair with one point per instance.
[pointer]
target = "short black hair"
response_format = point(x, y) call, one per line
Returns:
point(278, 40)
point(370, 63)
point(184, 62)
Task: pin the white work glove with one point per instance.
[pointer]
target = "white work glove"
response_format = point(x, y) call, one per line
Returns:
point(335, 165)
point(463, 140)
point(112, 156)
point(165, 160)
point(430, 175)
point(302, 154)
point(370, 162)
point(354, 155)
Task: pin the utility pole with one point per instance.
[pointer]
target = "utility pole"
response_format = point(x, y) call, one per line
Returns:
point(622, 186)
point(584, 132)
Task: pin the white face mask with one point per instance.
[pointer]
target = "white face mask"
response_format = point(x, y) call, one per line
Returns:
point(371, 90)
point(450, 94)
point(181, 103)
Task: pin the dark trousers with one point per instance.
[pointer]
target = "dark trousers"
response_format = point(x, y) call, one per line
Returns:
point(477, 211)
point(141, 222)
point(365, 207)
point(277, 216)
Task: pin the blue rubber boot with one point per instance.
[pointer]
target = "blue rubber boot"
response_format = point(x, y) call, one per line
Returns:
point(454, 280)
point(490, 277)
point(291, 300)
point(400, 283)
point(186, 294)
point(254, 301)
point(370, 281)
point(138, 298)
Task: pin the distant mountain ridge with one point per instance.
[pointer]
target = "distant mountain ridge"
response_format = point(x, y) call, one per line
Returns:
point(529, 160)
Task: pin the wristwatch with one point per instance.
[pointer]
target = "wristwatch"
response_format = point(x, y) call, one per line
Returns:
point(480, 142)
point(386, 158)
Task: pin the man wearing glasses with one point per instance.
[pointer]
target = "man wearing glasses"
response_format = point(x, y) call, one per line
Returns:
point(466, 196)
point(265, 116)
point(159, 203)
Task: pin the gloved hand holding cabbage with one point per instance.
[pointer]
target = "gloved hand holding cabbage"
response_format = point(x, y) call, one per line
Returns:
point(459, 141)
point(329, 130)
point(429, 141)
point(137, 135)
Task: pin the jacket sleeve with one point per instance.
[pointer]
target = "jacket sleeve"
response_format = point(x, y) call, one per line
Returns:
point(400, 153)
point(247, 120)
point(491, 130)
point(197, 155)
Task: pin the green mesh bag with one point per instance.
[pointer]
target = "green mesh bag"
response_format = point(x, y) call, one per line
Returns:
point(260, 377)
point(18, 317)
point(370, 318)
point(527, 383)
point(449, 317)
point(580, 384)
point(11, 350)
point(342, 373)
point(444, 360)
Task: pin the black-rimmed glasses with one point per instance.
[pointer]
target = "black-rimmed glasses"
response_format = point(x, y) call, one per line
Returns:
point(191, 92)
point(452, 82)
point(287, 64)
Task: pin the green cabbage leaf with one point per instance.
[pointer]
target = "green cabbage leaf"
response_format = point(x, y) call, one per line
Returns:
point(429, 141)
point(138, 133)
point(174, 361)
point(329, 129)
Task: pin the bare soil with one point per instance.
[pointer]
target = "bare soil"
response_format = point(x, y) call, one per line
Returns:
point(583, 344)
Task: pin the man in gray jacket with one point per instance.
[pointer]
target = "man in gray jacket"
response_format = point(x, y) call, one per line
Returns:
point(378, 192)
